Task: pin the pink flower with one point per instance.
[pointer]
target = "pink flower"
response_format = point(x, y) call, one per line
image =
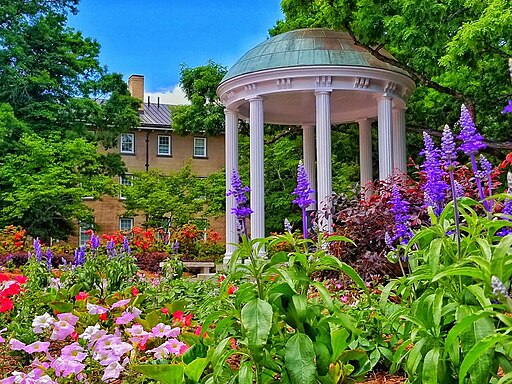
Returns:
point(112, 371)
point(74, 352)
point(69, 317)
point(125, 318)
point(344, 299)
point(160, 352)
point(61, 330)
point(65, 366)
point(17, 345)
point(37, 346)
point(175, 346)
point(94, 309)
point(120, 303)
point(2, 340)
point(163, 330)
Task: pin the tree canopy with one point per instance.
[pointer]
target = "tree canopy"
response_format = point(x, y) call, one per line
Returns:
point(456, 51)
point(205, 112)
point(55, 100)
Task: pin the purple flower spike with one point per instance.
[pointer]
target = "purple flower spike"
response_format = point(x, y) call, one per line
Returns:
point(472, 141)
point(38, 250)
point(95, 242)
point(111, 249)
point(49, 257)
point(507, 210)
point(508, 108)
point(242, 210)
point(303, 193)
point(126, 246)
point(400, 209)
point(79, 256)
point(449, 154)
point(435, 187)
point(175, 246)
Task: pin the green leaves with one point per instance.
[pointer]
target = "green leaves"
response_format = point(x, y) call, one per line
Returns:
point(257, 321)
point(163, 373)
point(300, 359)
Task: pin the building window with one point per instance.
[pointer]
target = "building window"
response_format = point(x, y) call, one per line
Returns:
point(124, 182)
point(125, 224)
point(164, 145)
point(199, 146)
point(127, 143)
point(84, 234)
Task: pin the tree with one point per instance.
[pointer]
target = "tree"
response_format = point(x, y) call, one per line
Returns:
point(53, 94)
point(172, 199)
point(456, 51)
point(206, 112)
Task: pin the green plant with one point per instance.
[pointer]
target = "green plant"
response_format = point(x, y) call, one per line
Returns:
point(451, 324)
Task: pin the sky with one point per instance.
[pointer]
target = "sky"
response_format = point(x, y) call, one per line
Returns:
point(154, 37)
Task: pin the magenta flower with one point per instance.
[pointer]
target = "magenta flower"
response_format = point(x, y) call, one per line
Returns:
point(174, 346)
point(37, 346)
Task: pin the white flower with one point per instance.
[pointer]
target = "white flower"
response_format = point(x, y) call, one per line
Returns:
point(89, 331)
point(42, 322)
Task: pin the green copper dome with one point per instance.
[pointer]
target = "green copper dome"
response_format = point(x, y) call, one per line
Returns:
point(306, 47)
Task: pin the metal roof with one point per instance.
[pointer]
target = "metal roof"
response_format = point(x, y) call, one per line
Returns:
point(155, 115)
point(306, 47)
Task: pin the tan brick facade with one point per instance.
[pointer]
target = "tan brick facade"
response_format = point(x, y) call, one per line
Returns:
point(108, 210)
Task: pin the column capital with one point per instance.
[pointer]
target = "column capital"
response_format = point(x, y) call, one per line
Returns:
point(230, 110)
point(323, 92)
point(383, 96)
point(255, 98)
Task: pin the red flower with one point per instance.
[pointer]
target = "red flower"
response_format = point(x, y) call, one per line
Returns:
point(12, 290)
point(232, 342)
point(135, 291)
point(55, 312)
point(82, 296)
point(188, 319)
point(5, 304)
point(232, 289)
point(177, 316)
point(142, 346)
point(21, 279)
point(221, 278)
point(103, 316)
point(74, 335)
point(4, 277)
point(165, 311)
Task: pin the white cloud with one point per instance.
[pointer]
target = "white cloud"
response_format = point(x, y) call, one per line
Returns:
point(174, 96)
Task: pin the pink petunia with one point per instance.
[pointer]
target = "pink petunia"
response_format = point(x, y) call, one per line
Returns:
point(125, 318)
point(37, 346)
point(69, 317)
point(120, 303)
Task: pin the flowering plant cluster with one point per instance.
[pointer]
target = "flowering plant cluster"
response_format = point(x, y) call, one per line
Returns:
point(9, 289)
point(99, 339)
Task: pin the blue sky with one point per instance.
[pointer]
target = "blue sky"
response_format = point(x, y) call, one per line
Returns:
point(153, 37)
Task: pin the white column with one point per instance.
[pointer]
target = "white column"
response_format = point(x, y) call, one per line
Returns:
point(308, 147)
point(257, 175)
point(399, 143)
point(365, 155)
point(385, 123)
point(231, 149)
point(324, 165)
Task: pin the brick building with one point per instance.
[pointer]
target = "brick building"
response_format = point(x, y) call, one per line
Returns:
point(154, 145)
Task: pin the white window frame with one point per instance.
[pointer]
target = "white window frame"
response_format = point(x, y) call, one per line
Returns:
point(125, 181)
point(169, 150)
point(82, 237)
point(126, 219)
point(204, 145)
point(122, 142)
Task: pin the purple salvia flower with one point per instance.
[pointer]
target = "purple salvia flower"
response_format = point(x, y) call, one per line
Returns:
point(95, 242)
point(459, 189)
point(126, 246)
point(487, 174)
point(49, 257)
point(472, 141)
point(508, 108)
point(175, 246)
point(38, 250)
point(400, 209)
point(435, 187)
point(111, 249)
point(287, 225)
point(448, 151)
point(389, 241)
point(79, 256)
point(303, 193)
point(242, 211)
point(507, 210)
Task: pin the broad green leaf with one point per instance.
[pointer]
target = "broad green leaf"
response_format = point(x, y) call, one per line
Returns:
point(245, 374)
point(433, 254)
point(299, 358)
point(479, 349)
point(437, 308)
point(61, 307)
point(195, 369)
point(431, 367)
point(451, 342)
point(323, 357)
point(300, 305)
point(460, 271)
point(324, 294)
point(415, 356)
point(339, 342)
point(351, 272)
point(257, 321)
point(163, 373)
point(498, 256)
